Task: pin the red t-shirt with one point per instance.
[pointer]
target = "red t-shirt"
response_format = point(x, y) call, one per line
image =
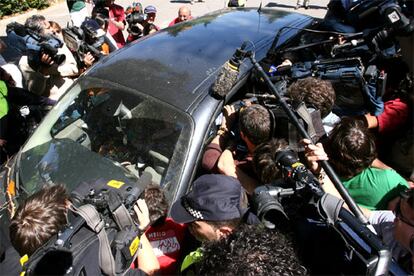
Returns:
point(177, 20)
point(167, 241)
point(395, 116)
point(117, 13)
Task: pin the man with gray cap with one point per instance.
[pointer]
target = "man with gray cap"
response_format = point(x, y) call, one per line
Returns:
point(211, 210)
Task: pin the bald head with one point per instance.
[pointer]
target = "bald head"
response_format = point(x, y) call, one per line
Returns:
point(184, 14)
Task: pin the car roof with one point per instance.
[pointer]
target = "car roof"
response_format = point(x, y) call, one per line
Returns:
point(178, 64)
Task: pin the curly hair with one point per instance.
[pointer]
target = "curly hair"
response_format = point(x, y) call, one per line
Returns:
point(156, 201)
point(255, 123)
point(38, 218)
point(351, 147)
point(313, 91)
point(264, 160)
point(252, 250)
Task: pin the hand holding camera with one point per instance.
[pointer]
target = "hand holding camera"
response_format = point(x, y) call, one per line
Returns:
point(229, 116)
point(142, 213)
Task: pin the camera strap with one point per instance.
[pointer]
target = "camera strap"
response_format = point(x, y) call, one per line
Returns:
point(92, 218)
point(329, 207)
point(119, 212)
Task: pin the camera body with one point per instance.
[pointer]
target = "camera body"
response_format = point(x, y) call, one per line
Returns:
point(297, 181)
point(136, 22)
point(34, 44)
point(103, 194)
point(82, 40)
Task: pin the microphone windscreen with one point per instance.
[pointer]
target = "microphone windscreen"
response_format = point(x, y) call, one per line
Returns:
point(226, 79)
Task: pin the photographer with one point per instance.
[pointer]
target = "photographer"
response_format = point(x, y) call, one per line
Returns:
point(395, 228)
point(351, 150)
point(11, 98)
point(230, 157)
point(43, 215)
point(66, 71)
point(149, 23)
point(38, 71)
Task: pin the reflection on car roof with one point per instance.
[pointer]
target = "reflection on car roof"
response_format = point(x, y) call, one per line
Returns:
point(178, 64)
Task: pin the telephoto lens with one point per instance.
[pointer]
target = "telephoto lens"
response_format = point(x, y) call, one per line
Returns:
point(266, 203)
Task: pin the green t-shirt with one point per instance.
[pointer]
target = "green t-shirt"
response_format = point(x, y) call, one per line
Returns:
point(373, 188)
point(4, 106)
point(75, 5)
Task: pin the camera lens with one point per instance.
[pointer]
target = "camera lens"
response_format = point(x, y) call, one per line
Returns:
point(268, 208)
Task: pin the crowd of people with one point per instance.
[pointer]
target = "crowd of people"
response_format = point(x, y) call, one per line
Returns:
point(212, 229)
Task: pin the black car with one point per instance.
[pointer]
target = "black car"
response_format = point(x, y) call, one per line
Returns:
point(148, 107)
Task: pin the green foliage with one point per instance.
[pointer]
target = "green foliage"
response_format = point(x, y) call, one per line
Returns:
point(37, 4)
point(8, 7)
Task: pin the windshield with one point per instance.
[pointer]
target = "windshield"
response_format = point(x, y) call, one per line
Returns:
point(103, 130)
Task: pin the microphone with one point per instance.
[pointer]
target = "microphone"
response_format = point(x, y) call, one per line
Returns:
point(17, 28)
point(134, 194)
point(227, 76)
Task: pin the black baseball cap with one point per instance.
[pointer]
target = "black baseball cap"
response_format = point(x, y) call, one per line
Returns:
point(213, 197)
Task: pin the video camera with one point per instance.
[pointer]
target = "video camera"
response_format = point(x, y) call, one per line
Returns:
point(101, 236)
point(297, 181)
point(378, 21)
point(135, 19)
point(88, 38)
point(358, 88)
point(299, 194)
point(34, 44)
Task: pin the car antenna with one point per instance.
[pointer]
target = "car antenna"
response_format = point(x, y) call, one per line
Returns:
point(259, 10)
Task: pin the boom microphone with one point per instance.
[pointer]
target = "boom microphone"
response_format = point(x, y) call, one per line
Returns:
point(227, 76)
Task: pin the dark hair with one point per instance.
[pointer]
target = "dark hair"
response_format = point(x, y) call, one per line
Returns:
point(251, 250)
point(264, 159)
point(232, 223)
point(102, 20)
point(56, 26)
point(156, 201)
point(315, 92)
point(35, 23)
point(255, 123)
point(350, 147)
point(408, 194)
point(38, 218)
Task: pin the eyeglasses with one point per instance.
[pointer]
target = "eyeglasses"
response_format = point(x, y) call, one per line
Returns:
point(399, 215)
